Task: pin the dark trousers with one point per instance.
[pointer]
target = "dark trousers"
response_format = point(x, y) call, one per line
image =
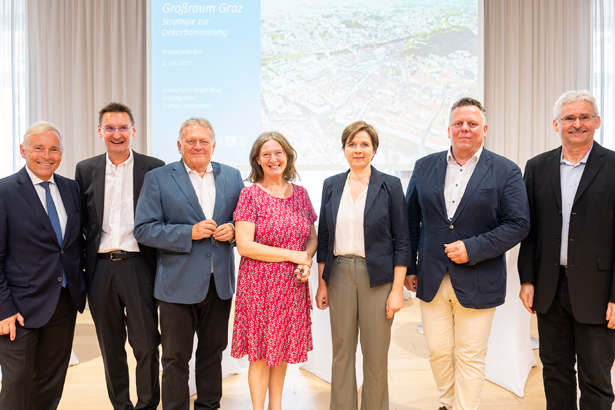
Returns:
point(121, 298)
point(563, 341)
point(178, 324)
point(34, 364)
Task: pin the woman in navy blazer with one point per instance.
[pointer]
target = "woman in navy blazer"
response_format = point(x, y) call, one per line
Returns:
point(363, 252)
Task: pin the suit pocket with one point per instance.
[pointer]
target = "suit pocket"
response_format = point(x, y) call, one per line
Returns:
point(21, 281)
point(605, 264)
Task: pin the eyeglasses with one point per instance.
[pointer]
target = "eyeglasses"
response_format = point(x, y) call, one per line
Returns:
point(569, 119)
point(122, 130)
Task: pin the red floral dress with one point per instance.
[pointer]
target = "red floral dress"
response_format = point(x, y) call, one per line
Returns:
point(272, 313)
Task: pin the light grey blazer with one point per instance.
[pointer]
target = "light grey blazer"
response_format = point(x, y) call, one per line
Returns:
point(167, 209)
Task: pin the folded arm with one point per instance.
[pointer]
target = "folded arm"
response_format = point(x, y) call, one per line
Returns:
point(250, 249)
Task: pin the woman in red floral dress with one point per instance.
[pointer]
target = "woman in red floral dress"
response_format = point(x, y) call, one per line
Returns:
point(275, 236)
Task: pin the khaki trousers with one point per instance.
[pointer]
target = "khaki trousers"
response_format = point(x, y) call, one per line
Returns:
point(354, 306)
point(451, 329)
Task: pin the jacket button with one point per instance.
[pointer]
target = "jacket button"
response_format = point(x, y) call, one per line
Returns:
point(367, 248)
point(62, 252)
point(60, 279)
point(366, 226)
point(451, 227)
point(208, 255)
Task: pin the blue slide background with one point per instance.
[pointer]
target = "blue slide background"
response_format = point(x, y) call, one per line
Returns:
point(213, 74)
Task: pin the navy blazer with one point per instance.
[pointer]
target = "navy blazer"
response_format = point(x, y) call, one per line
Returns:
point(492, 217)
point(90, 175)
point(167, 209)
point(591, 235)
point(386, 238)
point(31, 258)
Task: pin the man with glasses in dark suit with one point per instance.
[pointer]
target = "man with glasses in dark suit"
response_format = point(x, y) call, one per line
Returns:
point(119, 271)
point(566, 263)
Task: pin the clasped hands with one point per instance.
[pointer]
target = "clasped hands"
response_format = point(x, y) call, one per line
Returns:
point(304, 263)
point(208, 227)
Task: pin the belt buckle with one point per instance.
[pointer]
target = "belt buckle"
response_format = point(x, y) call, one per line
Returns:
point(120, 255)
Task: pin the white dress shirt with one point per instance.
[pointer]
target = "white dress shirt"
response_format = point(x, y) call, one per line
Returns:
point(349, 238)
point(205, 188)
point(55, 195)
point(456, 181)
point(119, 214)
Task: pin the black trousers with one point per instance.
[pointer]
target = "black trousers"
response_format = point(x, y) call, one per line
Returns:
point(178, 324)
point(121, 299)
point(564, 341)
point(34, 364)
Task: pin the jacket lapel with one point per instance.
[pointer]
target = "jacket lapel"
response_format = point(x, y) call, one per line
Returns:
point(553, 164)
point(336, 193)
point(593, 165)
point(27, 190)
point(441, 166)
point(220, 180)
point(69, 206)
point(483, 165)
point(98, 181)
point(375, 181)
point(183, 180)
point(138, 174)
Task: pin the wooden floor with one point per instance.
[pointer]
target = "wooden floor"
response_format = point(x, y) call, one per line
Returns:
point(411, 384)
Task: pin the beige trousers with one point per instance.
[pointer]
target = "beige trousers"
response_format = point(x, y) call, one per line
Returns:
point(354, 306)
point(451, 329)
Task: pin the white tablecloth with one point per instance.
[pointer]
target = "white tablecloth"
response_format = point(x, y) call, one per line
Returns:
point(509, 355)
point(509, 358)
point(319, 359)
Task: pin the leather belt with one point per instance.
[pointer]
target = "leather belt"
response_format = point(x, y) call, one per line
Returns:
point(563, 270)
point(117, 255)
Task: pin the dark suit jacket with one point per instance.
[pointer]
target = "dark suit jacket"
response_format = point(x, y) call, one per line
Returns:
point(492, 217)
point(384, 221)
point(168, 208)
point(90, 175)
point(591, 238)
point(31, 259)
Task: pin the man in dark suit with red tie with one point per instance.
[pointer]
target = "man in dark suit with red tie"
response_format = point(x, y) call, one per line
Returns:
point(120, 272)
point(41, 281)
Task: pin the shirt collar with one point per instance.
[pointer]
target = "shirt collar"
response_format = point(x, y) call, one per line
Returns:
point(126, 163)
point(450, 157)
point(192, 171)
point(36, 180)
point(582, 161)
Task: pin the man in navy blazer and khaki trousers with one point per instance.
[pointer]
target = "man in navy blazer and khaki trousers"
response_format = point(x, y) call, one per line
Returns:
point(41, 281)
point(466, 207)
point(186, 211)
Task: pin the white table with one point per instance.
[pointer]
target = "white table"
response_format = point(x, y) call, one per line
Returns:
point(509, 358)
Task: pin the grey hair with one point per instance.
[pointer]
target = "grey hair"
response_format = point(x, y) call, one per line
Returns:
point(469, 102)
point(196, 121)
point(573, 96)
point(41, 127)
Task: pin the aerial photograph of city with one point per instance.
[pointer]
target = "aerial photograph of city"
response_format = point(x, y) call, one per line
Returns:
point(398, 65)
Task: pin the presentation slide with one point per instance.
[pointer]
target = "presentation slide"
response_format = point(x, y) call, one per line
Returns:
point(308, 68)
